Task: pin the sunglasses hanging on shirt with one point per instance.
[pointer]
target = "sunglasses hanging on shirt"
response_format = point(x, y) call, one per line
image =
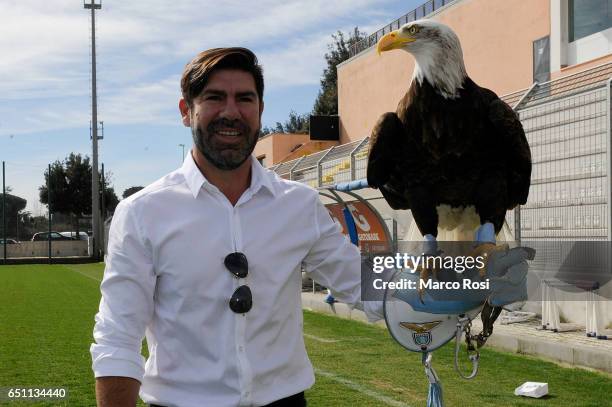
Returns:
point(242, 299)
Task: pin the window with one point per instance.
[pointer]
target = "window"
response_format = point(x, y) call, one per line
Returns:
point(588, 17)
point(541, 60)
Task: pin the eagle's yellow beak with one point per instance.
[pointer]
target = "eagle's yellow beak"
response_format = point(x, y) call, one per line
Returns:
point(392, 40)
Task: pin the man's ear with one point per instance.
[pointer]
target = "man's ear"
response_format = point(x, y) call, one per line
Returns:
point(185, 112)
point(261, 107)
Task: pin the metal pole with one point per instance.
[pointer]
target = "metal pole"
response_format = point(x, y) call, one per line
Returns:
point(517, 210)
point(299, 160)
point(49, 210)
point(319, 169)
point(353, 151)
point(609, 157)
point(95, 191)
point(102, 248)
point(4, 209)
point(608, 221)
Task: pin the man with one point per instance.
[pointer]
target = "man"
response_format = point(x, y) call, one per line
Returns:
point(206, 263)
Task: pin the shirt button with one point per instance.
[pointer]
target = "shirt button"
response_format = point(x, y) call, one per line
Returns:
point(240, 348)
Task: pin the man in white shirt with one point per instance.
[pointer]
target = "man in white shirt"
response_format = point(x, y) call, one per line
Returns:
point(206, 263)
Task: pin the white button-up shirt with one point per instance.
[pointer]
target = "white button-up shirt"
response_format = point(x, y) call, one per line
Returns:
point(165, 278)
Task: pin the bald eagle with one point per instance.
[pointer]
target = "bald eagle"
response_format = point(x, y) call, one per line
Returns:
point(450, 142)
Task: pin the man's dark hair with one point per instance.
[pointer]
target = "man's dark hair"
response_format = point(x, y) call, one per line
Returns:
point(198, 71)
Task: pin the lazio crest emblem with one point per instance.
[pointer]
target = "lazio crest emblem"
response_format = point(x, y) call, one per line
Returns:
point(421, 332)
point(422, 339)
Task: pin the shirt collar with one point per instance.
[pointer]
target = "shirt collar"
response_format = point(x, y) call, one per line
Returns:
point(260, 177)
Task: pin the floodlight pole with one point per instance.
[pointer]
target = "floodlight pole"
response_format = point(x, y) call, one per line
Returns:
point(49, 211)
point(103, 195)
point(183, 154)
point(95, 181)
point(4, 211)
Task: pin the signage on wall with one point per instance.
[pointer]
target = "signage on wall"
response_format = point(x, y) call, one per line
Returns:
point(370, 230)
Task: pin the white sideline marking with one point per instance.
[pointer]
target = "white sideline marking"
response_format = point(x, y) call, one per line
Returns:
point(317, 338)
point(83, 274)
point(361, 389)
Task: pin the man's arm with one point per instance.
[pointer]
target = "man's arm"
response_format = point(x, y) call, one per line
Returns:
point(126, 308)
point(114, 391)
point(335, 262)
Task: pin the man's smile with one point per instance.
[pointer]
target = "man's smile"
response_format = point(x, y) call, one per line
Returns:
point(228, 132)
point(228, 136)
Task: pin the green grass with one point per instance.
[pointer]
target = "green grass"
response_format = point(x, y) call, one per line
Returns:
point(47, 316)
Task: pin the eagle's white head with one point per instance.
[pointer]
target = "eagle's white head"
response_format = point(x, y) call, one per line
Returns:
point(436, 50)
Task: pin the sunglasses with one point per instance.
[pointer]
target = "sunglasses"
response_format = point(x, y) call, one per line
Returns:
point(242, 299)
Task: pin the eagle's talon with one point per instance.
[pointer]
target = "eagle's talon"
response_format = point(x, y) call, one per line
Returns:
point(424, 274)
point(485, 250)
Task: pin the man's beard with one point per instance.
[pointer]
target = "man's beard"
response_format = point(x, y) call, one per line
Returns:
point(221, 155)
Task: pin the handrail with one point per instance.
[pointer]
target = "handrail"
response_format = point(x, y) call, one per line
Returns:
point(422, 11)
point(525, 96)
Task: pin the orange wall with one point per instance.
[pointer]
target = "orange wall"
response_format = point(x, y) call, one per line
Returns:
point(278, 145)
point(497, 40)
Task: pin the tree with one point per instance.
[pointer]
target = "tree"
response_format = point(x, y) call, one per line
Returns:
point(110, 197)
point(131, 191)
point(339, 51)
point(60, 196)
point(70, 183)
point(14, 205)
point(296, 123)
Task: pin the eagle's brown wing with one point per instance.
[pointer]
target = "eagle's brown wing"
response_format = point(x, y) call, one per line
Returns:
point(384, 160)
point(516, 150)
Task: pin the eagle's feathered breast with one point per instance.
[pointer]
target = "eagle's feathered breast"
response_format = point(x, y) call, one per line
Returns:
point(449, 147)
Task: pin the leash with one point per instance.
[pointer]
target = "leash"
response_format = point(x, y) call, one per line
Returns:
point(464, 324)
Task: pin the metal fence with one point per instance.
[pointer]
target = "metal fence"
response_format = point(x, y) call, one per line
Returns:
point(567, 124)
point(29, 232)
point(422, 11)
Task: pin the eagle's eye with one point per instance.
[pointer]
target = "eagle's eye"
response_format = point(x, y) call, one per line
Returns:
point(413, 30)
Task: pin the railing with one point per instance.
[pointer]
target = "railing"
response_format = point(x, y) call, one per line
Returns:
point(558, 88)
point(422, 11)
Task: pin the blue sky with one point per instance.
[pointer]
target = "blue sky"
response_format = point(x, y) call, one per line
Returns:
point(143, 45)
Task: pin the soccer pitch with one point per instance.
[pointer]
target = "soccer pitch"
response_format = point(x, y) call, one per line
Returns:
point(47, 316)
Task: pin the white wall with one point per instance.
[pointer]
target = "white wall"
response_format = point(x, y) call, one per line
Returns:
point(590, 47)
point(41, 249)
